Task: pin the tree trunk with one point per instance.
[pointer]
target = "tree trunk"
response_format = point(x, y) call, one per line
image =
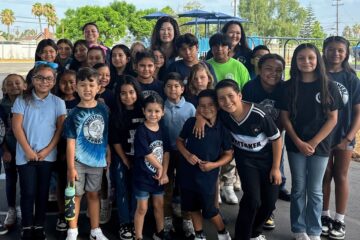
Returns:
point(40, 25)
point(8, 32)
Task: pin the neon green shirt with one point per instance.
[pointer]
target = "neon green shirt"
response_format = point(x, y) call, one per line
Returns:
point(232, 69)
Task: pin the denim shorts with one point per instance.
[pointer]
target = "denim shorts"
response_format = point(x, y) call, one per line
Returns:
point(144, 195)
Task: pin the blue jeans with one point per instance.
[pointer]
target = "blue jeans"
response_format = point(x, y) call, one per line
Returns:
point(125, 200)
point(306, 192)
point(34, 189)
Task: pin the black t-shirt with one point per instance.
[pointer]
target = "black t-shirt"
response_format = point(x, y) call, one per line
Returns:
point(124, 133)
point(209, 148)
point(147, 141)
point(184, 70)
point(254, 92)
point(349, 87)
point(106, 97)
point(252, 137)
point(310, 117)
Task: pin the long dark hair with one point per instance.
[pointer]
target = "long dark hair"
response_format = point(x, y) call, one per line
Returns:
point(40, 48)
point(120, 112)
point(345, 64)
point(296, 78)
point(128, 68)
point(243, 41)
point(75, 64)
point(155, 37)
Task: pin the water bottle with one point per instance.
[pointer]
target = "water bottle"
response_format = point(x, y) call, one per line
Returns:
point(70, 201)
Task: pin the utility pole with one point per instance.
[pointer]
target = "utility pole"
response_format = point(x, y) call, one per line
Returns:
point(234, 5)
point(337, 3)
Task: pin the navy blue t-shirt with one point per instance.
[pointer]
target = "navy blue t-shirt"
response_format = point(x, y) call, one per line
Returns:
point(184, 70)
point(146, 142)
point(209, 148)
point(156, 87)
point(107, 97)
point(2, 124)
point(349, 87)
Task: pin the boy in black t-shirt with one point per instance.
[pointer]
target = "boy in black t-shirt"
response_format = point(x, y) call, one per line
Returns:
point(200, 166)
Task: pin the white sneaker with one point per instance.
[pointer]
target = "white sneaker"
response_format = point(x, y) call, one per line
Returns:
point(201, 236)
point(260, 237)
point(10, 219)
point(219, 197)
point(168, 225)
point(237, 184)
point(225, 236)
point(229, 195)
point(72, 234)
point(314, 237)
point(301, 236)
point(97, 234)
point(188, 228)
point(176, 209)
point(105, 211)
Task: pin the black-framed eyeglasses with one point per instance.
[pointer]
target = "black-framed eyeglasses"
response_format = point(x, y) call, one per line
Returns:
point(43, 79)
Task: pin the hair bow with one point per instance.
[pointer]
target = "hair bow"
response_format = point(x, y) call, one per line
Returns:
point(99, 46)
point(50, 64)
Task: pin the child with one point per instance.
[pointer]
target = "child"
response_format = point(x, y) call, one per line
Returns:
point(87, 152)
point(150, 166)
point(200, 163)
point(65, 48)
point(13, 86)
point(120, 63)
point(165, 32)
point(265, 90)
point(135, 48)
point(188, 46)
point(105, 95)
point(257, 143)
point(160, 64)
point(125, 118)
point(91, 35)
point(225, 66)
point(46, 51)
point(256, 54)
point(336, 55)
point(95, 55)
point(37, 122)
point(177, 111)
point(145, 67)
point(66, 91)
point(199, 79)
point(79, 55)
point(309, 110)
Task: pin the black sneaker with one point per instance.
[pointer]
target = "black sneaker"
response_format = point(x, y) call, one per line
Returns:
point(125, 232)
point(270, 223)
point(338, 230)
point(27, 233)
point(284, 195)
point(61, 224)
point(159, 235)
point(39, 233)
point(3, 230)
point(326, 225)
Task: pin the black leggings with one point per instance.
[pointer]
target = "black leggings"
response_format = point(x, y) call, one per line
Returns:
point(257, 202)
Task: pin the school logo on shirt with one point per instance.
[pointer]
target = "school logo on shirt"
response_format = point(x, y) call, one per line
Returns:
point(157, 149)
point(94, 129)
point(318, 98)
point(147, 93)
point(2, 130)
point(343, 92)
point(270, 109)
point(230, 76)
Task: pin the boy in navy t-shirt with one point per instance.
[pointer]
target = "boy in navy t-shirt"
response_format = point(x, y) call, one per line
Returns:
point(86, 130)
point(200, 165)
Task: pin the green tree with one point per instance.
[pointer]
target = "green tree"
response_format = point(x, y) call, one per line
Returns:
point(356, 30)
point(112, 27)
point(347, 32)
point(307, 28)
point(7, 18)
point(38, 10)
point(50, 14)
point(272, 17)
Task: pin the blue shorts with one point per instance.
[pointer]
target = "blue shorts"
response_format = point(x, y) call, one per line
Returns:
point(192, 201)
point(144, 195)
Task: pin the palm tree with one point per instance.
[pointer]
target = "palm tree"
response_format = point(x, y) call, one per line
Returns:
point(49, 13)
point(38, 11)
point(7, 18)
point(52, 21)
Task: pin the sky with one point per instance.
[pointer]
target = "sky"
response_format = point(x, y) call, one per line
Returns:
point(324, 11)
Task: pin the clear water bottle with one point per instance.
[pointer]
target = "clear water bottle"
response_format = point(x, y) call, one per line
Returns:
point(70, 201)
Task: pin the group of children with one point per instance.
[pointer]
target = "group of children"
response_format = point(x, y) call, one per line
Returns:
point(144, 123)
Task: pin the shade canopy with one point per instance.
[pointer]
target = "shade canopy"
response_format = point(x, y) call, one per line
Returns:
point(156, 15)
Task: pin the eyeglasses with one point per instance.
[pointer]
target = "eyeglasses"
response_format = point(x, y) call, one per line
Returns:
point(43, 79)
